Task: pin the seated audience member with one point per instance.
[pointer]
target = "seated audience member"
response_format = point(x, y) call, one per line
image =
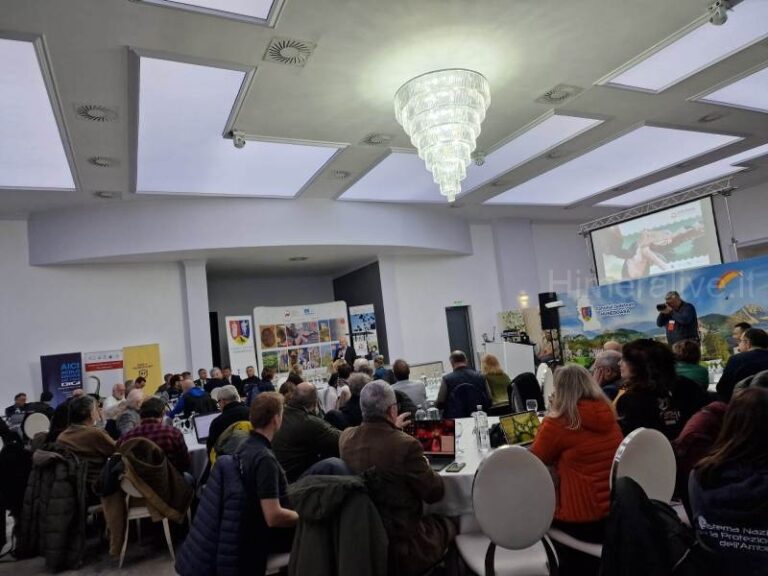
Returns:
point(379, 370)
point(612, 346)
point(84, 438)
point(193, 399)
point(688, 354)
point(216, 380)
point(696, 441)
point(344, 371)
point(736, 334)
point(251, 380)
point(117, 396)
point(267, 377)
point(232, 410)
point(655, 396)
point(139, 383)
point(202, 378)
point(751, 359)
point(414, 389)
point(579, 438)
point(171, 390)
point(759, 380)
point(19, 405)
point(303, 439)
point(362, 366)
point(232, 379)
point(403, 481)
point(185, 374)
point(44, 406)
point(334, 372)
point(268, 523)
point(497, 379)
point(462, 374)
point(729, 488)
point(168, 438)
point(129, 384)
point(352, 414)
point(129, 418)
point(607, 373)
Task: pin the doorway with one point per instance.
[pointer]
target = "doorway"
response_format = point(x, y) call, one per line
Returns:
point(460, 331)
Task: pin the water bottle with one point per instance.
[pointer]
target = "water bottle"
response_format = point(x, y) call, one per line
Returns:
point(421, 414)
point(481, 425)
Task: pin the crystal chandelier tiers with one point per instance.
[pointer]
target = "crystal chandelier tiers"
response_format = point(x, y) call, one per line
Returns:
point(442, 111)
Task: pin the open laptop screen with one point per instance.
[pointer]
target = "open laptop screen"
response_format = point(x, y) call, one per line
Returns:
point(520, 428)
point(437, 437)
point(202, 424)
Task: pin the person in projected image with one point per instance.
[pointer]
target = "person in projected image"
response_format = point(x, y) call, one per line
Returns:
point(652, 247)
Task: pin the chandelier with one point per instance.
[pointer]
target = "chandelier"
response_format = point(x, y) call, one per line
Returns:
point(442, 111)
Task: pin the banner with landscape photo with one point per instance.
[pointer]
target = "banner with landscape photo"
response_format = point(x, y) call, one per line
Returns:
point(723, 295)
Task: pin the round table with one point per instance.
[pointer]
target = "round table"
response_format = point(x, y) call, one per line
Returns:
point(198, 454)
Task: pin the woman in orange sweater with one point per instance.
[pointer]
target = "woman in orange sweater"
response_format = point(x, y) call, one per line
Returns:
point(578, 440)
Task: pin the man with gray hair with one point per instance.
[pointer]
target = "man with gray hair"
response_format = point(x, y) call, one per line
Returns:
point(232, 410)
point(304, 439)
point(678, 318)
point(216, 380)
point(403, 480)
point(129, 418)
point(607, 373)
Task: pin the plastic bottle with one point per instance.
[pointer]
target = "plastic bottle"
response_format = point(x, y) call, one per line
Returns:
point(481, 424)
point(421, 414)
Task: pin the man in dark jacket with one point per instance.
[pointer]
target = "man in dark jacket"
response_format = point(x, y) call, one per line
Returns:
point(679, 318)
point(752, 358)
point(402, 482)
point(304, 439)
point(232, 410)
point(193, 399)
point(462, 374)
point(233, 379)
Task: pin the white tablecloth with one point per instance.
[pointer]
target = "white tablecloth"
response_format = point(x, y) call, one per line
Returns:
point(197, 454)
point(458, 485)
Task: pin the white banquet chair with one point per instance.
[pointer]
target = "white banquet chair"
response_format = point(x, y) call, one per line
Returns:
point(514, 501)
point(647, 457)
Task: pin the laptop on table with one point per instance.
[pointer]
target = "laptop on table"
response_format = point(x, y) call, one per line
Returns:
point(520, 428)
point(202, 424)
point(438, 441)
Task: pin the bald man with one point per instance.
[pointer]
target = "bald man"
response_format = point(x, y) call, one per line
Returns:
point(612, 345)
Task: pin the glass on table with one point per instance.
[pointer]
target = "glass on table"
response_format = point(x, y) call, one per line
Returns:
point(459, 430)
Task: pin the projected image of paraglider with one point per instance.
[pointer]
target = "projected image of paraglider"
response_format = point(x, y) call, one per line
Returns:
point(723, 282)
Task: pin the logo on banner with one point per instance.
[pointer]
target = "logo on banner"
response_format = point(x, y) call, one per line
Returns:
point(240, 331)
point(586, 313)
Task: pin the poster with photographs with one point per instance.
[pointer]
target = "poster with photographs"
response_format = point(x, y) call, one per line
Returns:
point(303, 336)
point(364, 337)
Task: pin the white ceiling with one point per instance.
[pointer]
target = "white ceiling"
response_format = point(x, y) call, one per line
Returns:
point(365, 51)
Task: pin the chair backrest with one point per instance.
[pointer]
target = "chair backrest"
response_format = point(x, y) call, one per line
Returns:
point(513, 497)
point(35, 423)
point(463, 400)
point(525, 387)
point(127, 486)
point(647, 457)
point(546, 380)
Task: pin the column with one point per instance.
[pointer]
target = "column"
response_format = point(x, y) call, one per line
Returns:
point(196, 308)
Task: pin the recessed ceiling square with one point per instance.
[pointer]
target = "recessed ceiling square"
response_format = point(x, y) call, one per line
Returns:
point(183, 109)
point(258, 9)
point(31, 148)
point(634, 155)
point(750, 92)
point(700, 48)
point(402, 176)
point(690, 179)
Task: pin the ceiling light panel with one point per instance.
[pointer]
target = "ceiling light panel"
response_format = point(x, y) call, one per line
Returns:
point(402, 177)
point(183, 109)
point(634, 155)
point(31, 148)
point(698, 49)
point(751, 92)
point(258, 9)
point(695, 177)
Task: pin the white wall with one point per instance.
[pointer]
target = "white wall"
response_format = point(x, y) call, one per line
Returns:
point(562, 260)
point(231, 294)
point(418, 289)
point(51, 310)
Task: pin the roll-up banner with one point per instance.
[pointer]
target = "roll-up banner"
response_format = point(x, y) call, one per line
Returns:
point(144, 361)
point(102, 371)
point(242, 351)
point(62, 375)
point(365, 340)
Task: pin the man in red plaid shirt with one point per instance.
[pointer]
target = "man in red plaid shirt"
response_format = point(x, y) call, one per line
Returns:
point(168, 438)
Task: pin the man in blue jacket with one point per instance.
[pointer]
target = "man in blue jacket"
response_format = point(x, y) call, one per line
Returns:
point(679, 318)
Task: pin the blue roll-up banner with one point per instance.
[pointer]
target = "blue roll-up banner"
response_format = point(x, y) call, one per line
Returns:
point(62, 374)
